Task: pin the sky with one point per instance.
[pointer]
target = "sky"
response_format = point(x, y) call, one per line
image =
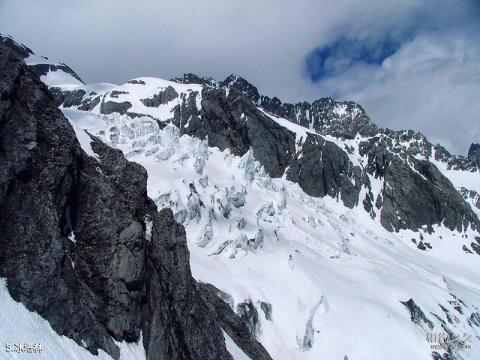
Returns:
point(411, 64)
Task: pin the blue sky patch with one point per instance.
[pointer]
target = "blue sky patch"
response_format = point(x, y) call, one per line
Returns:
point(344, 53)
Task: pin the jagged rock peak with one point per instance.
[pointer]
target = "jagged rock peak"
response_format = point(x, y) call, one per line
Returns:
point(474, 151)
point(189, 78)
point(40, 65)
point(19, 48)
point(243, 86)
point(325, 115)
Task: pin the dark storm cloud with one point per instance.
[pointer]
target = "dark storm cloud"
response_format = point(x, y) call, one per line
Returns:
point(410, 63)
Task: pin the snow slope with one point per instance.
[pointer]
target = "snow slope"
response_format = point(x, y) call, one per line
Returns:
point(20, 326)
point(335, 279)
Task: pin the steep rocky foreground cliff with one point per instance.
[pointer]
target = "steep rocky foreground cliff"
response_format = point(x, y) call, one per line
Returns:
point(85, 247)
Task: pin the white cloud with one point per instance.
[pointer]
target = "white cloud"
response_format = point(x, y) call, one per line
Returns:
point(266, 42)
point(431, 84)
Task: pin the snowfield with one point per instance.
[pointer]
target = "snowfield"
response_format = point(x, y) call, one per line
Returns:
point(326, 281)
point(335, 278)
point(20, 326)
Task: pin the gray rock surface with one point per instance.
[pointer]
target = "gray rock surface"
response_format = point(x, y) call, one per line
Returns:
point(190, 78)
point(417, 315)
point(137, 82)
point(20, 49)
point(232, 121)
point(249, 314)
point(415, 193)
point(238, 329)
point(321, 168)
point(109, 107)
point(70, 98)
point(267, 310)
point(161, 98)
point(44, 69)
point(75, 245)
point(474, 151)
point(38, 69)
point(322, 115)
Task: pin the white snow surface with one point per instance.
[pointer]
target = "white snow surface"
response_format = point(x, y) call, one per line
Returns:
point(58, 78)
point(233, 349)
point(21, 326)
point(466, 179)
point(135, 92)
point(334, 277)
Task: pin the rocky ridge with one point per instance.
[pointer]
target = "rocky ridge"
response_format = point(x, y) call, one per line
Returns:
point(232, 114)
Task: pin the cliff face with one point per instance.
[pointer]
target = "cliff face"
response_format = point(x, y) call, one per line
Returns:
point(81, 242)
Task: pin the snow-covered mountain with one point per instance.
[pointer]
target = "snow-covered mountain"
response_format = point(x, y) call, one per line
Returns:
point(329, 237)
point(51, 73)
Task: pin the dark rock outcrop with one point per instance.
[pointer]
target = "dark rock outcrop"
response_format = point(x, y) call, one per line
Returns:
point(190, 78)
point(44, 69)
point(249, 314)
point(267, 310)
point(89, 104)
point(325, 116)
point(242, 85)
point(472, 196)
point(72, 98)
point(474, 151)
point(474, 154)
point(417, 315)
point(82, 244)
point(135, 81)
point(475, 247)
point(20, 49)
point(321, 168)
point(161, 98)
point(38, 69)
point(456, 162)
point(232, 121)
point(238, 329)
point(177, 323)
point(109, 107)
point(115, 94)
point(414, 191)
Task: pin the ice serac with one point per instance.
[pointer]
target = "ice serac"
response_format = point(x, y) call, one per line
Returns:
point(82, 244)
